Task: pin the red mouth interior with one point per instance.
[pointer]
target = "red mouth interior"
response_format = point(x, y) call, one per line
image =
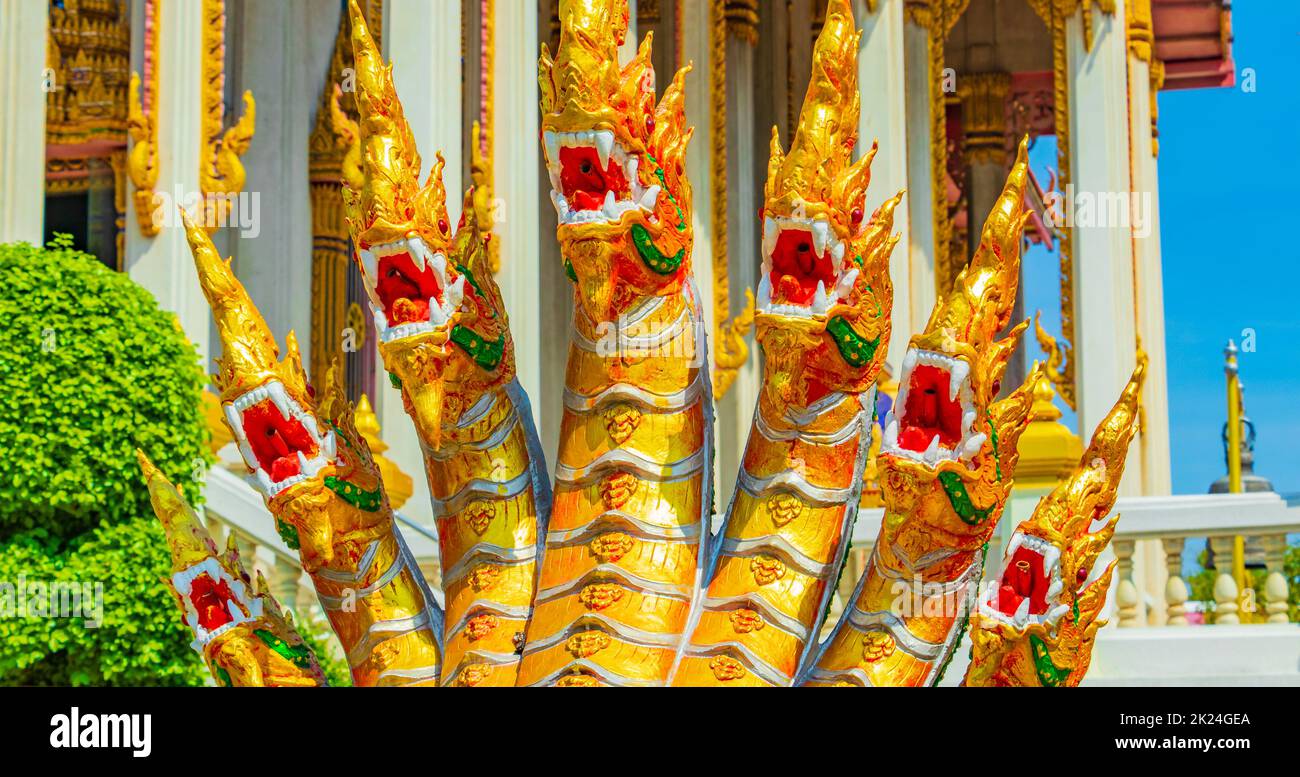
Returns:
point(584, 182)
point(405, 290)
point(276, 441)
point(1023, 579)
point(796, 268)
point(929, 411)
point(209, 598)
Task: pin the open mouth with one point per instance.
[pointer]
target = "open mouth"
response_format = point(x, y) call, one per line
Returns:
point(214, 601)
point(803, 268)
point(933, 419)
point(412, 290)
point(281, 443)
point(593, 180)
point(1030, 585)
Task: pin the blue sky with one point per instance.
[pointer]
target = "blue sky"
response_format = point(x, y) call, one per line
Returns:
point(1229, 172)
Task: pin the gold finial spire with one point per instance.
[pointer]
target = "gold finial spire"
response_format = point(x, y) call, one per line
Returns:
point(249, 356)
point(391, 205)
point(187, 540)
point(819, 166)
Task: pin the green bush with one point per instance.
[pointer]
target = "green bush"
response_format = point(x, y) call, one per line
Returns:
point(90, 369)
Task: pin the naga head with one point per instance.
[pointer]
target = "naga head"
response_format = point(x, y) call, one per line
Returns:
point(305, 456)
point(238, 627)
point(617, 162)
point(1036, 626)
point(825, 294)
point(949, 446)
point(442, 327)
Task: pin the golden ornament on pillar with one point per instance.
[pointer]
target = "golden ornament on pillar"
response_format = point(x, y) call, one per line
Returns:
point(1048, 449)
point(397, 483)
point(221, 173)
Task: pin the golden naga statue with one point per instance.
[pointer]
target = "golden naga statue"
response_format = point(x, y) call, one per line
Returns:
point(617, 578)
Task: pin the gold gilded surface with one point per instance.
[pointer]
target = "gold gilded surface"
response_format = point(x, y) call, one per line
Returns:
point(1054, 647)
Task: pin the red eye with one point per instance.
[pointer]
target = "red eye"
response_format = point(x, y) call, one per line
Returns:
point(1081, 575)
point(442, 226)
point(650, 125)
point(856, 215)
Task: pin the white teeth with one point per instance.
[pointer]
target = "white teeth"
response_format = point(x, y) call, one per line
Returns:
point(968, 421)
point(370, 263)
point(765, 292)
point(972, 445)
point(770, 233)
point(820, 303)
point(263, 479)
point(844, 289)
point(890, 439)
point(328, 446)
point(552, 148)
point(821, 232)
point(1057, 612)
point(609, 207)
point(1055, 588)
point(246, 450)
point(419, 253)
point(956, 378)
point(281, 399)
point(1022, 612)
point(232, 419)
point(931, 454)
point(837, 252)
point(454, 294)
point(302, 462)
point(632, 166)
point(440, 267)
point(909, 361)
point(235, 614)
point(436, 315)
point(604, 145)
point(650, 198)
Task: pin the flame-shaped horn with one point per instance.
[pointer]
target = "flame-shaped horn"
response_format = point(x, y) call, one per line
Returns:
point(187, 540)
point(250, 356)
point(821, 153)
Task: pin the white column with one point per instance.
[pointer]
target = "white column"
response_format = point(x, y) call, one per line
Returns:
point(696, 45)
point(735, 411)
point(517, 180)
point(1103, 253)
point(162, 264)
point(23, 27)
point(1154, 442)
point(917, 281)
point(277, 62)
point(423, 44)
point(884, 120)
point(628, 50)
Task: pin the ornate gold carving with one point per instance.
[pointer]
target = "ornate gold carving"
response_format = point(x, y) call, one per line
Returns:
point(784, 507)
point(745, 621)
point(742, 19)
point(482, 164)
point(484, 576)
point(473, 675)
point(480, 626)
point(610, 547)
point(598, 596)
point(877, 646)
point(766, 569)
point(731, 350)
point(221, 173)
point(89, 50)
point(984, 116)
point(577, 680)
point(937, 17)
point(617, 488)
point(621, 420)
point(647, 13)
point(479, 514)
point(726, 668)
point(587, 643)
